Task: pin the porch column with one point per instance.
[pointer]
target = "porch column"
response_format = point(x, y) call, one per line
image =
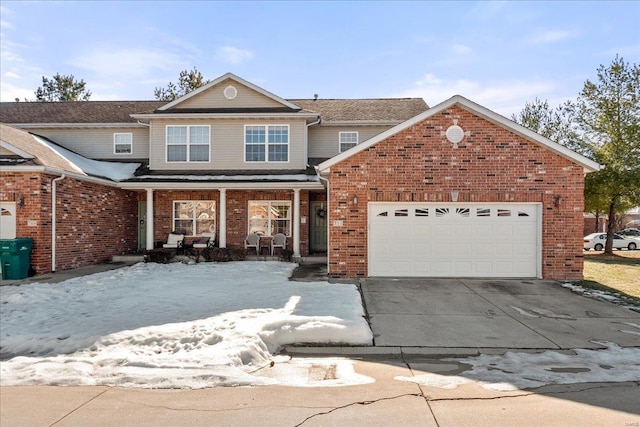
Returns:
point(296, 223)
point(150, 236)
point(222, 227)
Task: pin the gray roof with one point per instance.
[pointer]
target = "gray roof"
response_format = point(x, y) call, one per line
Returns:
point(374, 110)
point(87, 112)
point(74, 112)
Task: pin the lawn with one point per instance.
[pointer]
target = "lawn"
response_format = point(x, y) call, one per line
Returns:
point(620, 271)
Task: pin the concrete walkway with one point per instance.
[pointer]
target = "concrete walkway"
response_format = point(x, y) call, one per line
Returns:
point(386, 402)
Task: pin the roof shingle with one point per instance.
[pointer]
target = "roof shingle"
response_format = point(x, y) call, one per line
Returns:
point(88, 112)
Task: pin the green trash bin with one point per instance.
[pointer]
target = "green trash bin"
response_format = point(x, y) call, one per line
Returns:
point(15, 256)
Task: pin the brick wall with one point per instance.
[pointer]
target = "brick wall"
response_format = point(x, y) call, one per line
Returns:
point(237, 215)
point(490, 165)
point(94, 222)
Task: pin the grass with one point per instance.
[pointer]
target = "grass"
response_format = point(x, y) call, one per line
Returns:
point(619, 272)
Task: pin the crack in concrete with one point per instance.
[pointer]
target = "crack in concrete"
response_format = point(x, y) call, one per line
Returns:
point(362, 402)
point(80, 406)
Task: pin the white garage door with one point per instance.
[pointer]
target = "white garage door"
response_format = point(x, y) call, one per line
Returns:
point(454, 240)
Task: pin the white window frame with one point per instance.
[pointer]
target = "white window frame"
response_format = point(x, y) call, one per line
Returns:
point(268, 143)
point(188, 144)
point(268, 229)
point(193, 217)
point(116, 143)
point(341, 141)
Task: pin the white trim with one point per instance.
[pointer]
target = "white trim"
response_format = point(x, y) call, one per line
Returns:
point(75, 125)
point(59, 172)
point(193, 219)
point(269, 231)
point(221, 79)
point(187, 145)
point(587, 164)
point(306, 116)
point(130, 152)
point(266, 143)
point(15, 150)
point(252, 185)
point(340, 142)
point(343, 123)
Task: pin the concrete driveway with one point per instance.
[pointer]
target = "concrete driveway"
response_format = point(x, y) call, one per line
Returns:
point(492, 313)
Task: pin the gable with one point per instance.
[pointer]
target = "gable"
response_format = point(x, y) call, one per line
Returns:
point(228, 92)
point(506, 127)
point(216, 98)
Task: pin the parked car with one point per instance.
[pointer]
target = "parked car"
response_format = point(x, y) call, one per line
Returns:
point(597, 241)
point(630, 232)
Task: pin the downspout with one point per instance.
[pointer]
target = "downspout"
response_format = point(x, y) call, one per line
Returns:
point(53, 221)
point(306, 145)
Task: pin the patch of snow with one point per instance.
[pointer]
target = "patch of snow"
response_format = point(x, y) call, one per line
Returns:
point(114, 171)
point(177, 326)
point(519, 370)
point(600, 295)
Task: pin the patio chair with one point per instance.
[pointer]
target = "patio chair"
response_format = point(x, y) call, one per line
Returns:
point(252, 241)
point(174, 241)
point(207, 240)
point(278, 241)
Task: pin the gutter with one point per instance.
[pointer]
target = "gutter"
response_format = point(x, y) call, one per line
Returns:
point(54, 171)
point(53, 220)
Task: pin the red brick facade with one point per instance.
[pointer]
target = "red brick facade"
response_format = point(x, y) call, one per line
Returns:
point(94, 222)
point(491, 165)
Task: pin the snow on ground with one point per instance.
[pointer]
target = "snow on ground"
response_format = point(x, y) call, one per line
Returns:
point(178, 326)
point(519, 370)
point(601, 295)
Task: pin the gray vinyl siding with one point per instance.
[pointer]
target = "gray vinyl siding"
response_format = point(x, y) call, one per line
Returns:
point(227, 145)
point(324, 141)
point(214, 98)
point(97, 143)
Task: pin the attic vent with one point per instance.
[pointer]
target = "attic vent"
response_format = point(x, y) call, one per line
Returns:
point(454, 134)
point(230, 92)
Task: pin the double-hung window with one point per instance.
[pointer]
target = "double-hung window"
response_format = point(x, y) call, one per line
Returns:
point(348, 140)
point(122, 143)
point(267, 218)
point(188, 143)
point(194, 217)
point(266, 143)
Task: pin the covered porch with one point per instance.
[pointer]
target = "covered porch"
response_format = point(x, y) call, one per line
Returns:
point(232, 211)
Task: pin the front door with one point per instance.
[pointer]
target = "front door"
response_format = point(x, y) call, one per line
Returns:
point(142, 225)
point(318, 226)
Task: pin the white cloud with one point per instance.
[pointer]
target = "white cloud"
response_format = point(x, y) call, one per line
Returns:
point(550, 36)
point(12, 75)
point(504, 97)
point(460, 49)
point(128, 62)
point(9, 92)
point(6, 25)
point(233, 55)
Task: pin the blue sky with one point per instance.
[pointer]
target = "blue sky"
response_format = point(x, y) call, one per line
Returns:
point(499, 54)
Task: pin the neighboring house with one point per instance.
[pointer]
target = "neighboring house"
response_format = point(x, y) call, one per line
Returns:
point(630, 219)
point(384, 187)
